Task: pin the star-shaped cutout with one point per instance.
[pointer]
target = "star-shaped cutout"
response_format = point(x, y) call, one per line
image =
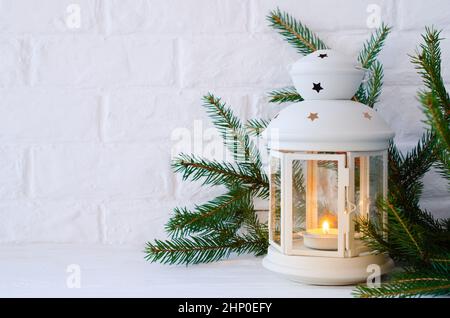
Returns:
point(313, 116)
point(323, 55)
point(317, 87)
point(367, 115)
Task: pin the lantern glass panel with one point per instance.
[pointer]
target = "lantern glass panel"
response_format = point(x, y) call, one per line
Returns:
point(376, 190)
point(314, 199)
point(275, 200)
point(359, 189)
point(298, 198)
point(368, 186)
point(357, 185)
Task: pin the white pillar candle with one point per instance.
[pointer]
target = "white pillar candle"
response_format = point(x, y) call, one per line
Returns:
point(324, 238)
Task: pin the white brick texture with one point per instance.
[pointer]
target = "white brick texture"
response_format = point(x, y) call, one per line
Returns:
point(175, 16)
point(48, 16)
point(14, 64)
point(92, 61)
point(91, 112)
point(101, 171)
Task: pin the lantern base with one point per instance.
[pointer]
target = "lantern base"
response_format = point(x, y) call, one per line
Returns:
point(317, 270)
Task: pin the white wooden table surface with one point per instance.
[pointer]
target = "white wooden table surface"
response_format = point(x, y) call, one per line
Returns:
point(39, 270)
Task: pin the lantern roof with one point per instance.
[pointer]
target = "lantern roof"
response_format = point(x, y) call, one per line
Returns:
point(327, 74)
point(328, 125)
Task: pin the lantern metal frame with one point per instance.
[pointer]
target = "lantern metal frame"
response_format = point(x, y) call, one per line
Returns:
point(349, 263)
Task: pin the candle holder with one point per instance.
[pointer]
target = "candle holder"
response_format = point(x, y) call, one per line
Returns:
point(328, 166)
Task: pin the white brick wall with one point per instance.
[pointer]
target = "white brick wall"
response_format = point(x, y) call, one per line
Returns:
point(87, 114)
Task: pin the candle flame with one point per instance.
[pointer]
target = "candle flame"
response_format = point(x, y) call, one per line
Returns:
point(325, 227)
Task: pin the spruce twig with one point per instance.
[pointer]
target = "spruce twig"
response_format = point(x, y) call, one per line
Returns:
point(368, 59)
point(427, 61)
point(369, 53)
point(210, 231)
point(409, 285)
point(205, 249)
point(295, 33)
point(213, 172)
point(228, 208)
point(435, 99)
point(285, 95)
point(232, 131)
point(415, 237)
point(374, 84)
point(255, 127)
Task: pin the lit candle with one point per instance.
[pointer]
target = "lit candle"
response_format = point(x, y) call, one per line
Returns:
point(324, 238)
point(325, 227)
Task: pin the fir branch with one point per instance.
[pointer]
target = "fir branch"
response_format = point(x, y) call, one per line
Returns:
point(216, 173)
point(443, 165)
point(413, 284)
point(360, 95)
point(295, 33)
point(255, 127)
point(184, 222)
point(227, 208)
point(285, 95)
point(368, 59)
point(395, 161)
point(427, 61)
point(208, 248)
point(404, 239)
point(374, 84)
point(233, 134)
point(441, 127)
point(419, 244)
point(373, 46)
point(418, 160)
point(435, 118)
point(436, 100)
point(416, 157)
point(254, 228)
point(405, 176)
point(441, 263)
point(391, 210)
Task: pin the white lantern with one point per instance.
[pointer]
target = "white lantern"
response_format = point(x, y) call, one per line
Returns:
point(328, 165)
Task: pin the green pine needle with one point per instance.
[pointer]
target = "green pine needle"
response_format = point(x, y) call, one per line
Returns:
point(373, 46)
point(405, 175)
point(210, 231)
point(285, 95)
point(411, 284)
point(360, 95)
point(427, 61)
point(440, 125)
point(255, 127)
point(213, 172)
point(295, 33)
point(232, 131)
point(368, 59)
point(374, 84)
point(435, 100)
point(203, 249)
point(399, 239)
point(228, 208)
